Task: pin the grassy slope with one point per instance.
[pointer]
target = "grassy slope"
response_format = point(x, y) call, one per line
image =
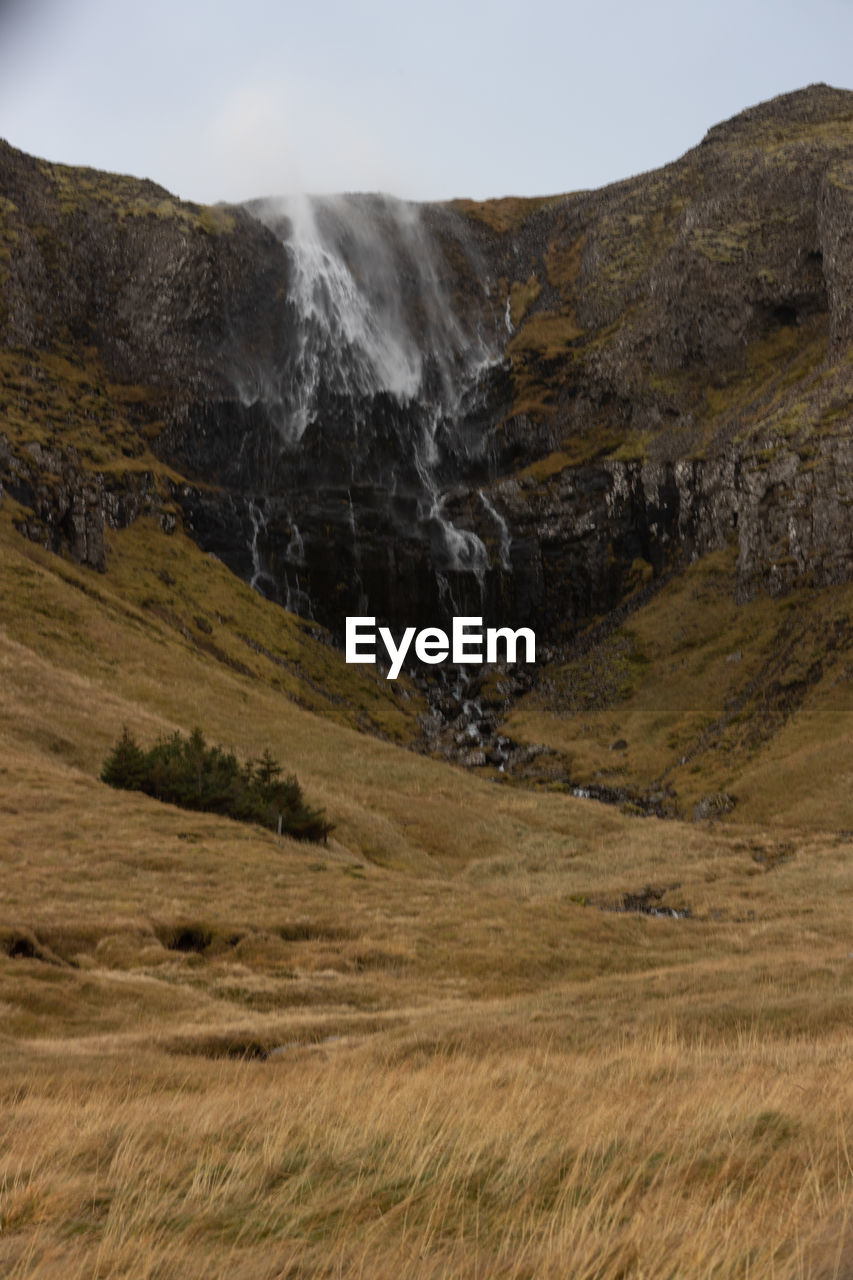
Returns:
point(474, 1069)
point(755, 700)
point(64, 397)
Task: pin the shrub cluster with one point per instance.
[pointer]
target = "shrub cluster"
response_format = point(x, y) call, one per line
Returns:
point(185, 771)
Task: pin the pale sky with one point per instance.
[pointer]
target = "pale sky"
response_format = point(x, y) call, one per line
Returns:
point(442, 98)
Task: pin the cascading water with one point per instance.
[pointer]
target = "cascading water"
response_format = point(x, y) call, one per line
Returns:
point(346, 344)
point(503, 530)
point(259, 523)
point(379, 409)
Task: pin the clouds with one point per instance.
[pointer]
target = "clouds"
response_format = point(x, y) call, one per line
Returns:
point(225, 101)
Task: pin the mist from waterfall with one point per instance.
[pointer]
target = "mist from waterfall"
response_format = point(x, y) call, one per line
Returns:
point(349, 341)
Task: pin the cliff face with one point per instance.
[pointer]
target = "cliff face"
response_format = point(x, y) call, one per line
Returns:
point(523, 409)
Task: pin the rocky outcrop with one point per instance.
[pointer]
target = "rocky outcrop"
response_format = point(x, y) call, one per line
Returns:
point(171, 295)
point(68, 507)
point(795, 518)
point(835, 214)
point(583, 541)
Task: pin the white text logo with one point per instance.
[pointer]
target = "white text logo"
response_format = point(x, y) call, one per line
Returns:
point(432, 645)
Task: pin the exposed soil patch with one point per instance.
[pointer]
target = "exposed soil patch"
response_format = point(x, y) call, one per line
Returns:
point(631, 800)
point(775, 856)
point(260, 1046)
point(649, 902)
point(190, 938)
point(22, 944)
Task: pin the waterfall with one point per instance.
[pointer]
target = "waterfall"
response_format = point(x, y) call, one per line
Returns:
point(346, 342)
point(258, 520)
point(295, 551)
point(503, 532)
point(382, 375)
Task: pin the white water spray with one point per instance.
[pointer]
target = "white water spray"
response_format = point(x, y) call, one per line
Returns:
point(259, 524)
point(372, 319)
point(503, 532)
point(295, 551)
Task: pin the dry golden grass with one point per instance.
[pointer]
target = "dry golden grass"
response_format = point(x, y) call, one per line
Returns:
point(429, 1049)
point(522, 296)
point(65, 399)
point(506, 213)
point(707, 696)
point(647, 1156)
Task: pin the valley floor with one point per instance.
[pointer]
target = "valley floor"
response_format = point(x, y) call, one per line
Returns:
point(438, 1046)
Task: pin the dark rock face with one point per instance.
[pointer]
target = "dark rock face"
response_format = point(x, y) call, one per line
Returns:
point(792, 524)
point(170, 295)
point(71, 506)
point(518, 410)
point(364, 446)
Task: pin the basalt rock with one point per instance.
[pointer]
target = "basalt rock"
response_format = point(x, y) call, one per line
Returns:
point(170, 295)
point(67, 507)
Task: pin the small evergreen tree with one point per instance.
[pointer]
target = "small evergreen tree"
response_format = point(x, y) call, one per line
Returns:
point(267, 770)
point(125, 767)
point(189, 773)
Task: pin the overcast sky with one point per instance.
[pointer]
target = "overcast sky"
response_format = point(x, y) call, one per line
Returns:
point(428, 100)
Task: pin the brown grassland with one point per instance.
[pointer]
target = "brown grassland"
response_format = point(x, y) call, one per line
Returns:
point(431, 1048)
